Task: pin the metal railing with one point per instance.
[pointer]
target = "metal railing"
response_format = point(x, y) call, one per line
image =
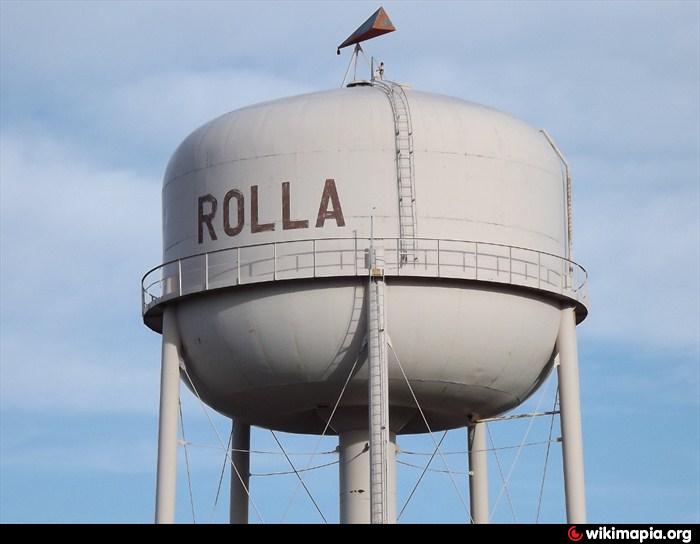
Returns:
point(331, 257)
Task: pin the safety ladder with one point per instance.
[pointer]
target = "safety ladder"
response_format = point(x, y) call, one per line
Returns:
point(405, 176)
point(378, 393)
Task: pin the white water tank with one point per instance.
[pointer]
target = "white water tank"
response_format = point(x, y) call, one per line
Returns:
point(266, 222)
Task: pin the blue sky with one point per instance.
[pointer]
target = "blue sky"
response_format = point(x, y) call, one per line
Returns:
point(94, 98)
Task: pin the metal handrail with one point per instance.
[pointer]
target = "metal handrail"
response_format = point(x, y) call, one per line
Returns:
point(212, 252)
point(153, 291)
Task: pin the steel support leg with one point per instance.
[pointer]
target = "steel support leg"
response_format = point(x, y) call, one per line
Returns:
point(570, 407)
point(478, 473)
point(240, 475)
point(168, 420)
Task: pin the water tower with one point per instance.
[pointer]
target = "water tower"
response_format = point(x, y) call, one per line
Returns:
point(367, 261)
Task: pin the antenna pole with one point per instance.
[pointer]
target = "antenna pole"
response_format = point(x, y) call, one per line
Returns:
point(570, 416)
point(356, 55)
point(240, 475)
point(168, 420)
point(478, 473)
point(352, 64)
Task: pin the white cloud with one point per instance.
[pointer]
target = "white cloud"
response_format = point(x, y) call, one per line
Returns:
point(159, 110)
point(115, 455)
point(641, 246)
point(99, 44)
point(75, 240)
point(39, 372)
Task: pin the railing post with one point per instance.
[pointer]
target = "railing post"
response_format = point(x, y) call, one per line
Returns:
point(510, 265)
point(562, 278)
point(355, 254)
point(314, 252)
point(476, 260)
point(206, 271)
point(238, 266)
point(274, 261)
point(179, 277)
point(438, 257)
point(539, 270)
point(398, 257)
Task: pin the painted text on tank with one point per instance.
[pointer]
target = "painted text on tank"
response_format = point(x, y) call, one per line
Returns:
point(232, 217)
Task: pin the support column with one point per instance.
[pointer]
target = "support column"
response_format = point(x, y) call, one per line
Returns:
point(570, 416)
point(478, 473)
point(239, 499)
point(355, 477)
point(168, 420)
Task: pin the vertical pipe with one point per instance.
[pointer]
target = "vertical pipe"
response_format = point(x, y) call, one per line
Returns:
point(168, 420)
point(354, 477)
point(240, 475)
point(567, 197)
point(478, 473)
point(570, 415)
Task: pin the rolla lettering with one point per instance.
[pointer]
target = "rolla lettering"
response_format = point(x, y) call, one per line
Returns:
point(232, 218)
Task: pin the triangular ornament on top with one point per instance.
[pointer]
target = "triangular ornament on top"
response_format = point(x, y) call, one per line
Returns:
point(378, 24)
